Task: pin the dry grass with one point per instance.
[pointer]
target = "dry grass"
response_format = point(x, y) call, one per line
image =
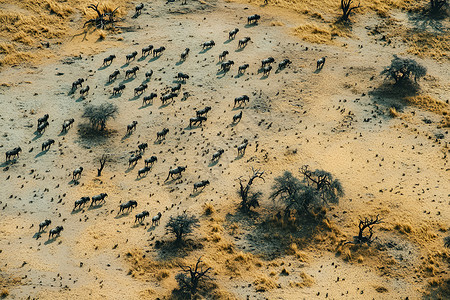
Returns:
point(4, 293)
point(300, 255)
point(264, 283)
point(208, 209)
point(429, 103)
point(393, 112)
point(422, 43)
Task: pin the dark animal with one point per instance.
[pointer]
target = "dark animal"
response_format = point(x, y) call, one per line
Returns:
point(43, 119)
point(85, 91)
point(182, 77)
point(131, 71)
point(200, 185)
point(113, 76)
point(44, 224)
point(149, 98)
point(81, 202)
point(253, 19)
point(118, 89)
point(158, 51)
point(225, 66)
point(131, 56)
point(147, 50)
point(237, 117)
point(284, 63)
point(321, 62)
point(266, 70)
point(177, 171)
point(13, 153)
point(162, 134)
point(175, 88)
point(208, 44)
point(267, 61)
point(140, 89)
point(167, 97)
point(109, 59)
point(55, 231)
point(97, 198)
point(241, 148)
point(131, 127)
point(76, 174)
point(156, 219)
point(185, 54)
point(67, 124)
point(134, 159)
point(151, 161)
point(242, 68)
point(203, 111)
point(141, 216)
point(148, 74)
point(139, 8)
point(143, 171)
point(41, 128)
point(240, 99)
point(142, 147)
point(78, 82)
point(46, 145)
point(217, 155)
point(197, 120)
point(223, 55)
point(127, 205)
point(232, 33)
point(243, 42)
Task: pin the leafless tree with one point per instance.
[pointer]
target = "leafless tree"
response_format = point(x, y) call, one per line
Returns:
point(347, 7)
point(329, 189)
point(103, 160)
point(367, 223)
point(191, 277)
point(249, 199)
point(103, 18)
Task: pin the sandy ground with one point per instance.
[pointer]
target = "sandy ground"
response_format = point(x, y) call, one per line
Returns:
point(395, 167)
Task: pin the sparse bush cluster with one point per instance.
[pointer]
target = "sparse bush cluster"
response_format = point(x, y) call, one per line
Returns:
point(404, 69)
point(98, 115)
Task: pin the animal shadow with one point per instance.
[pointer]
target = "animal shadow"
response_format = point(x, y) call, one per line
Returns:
point(40, 153)
point(49, 241)
point(122, 215)
point(154, 58)
point(81, 98)
point(180, 62)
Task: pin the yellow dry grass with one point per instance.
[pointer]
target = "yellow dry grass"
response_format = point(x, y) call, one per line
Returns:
point(393, 112)
point(429, 103)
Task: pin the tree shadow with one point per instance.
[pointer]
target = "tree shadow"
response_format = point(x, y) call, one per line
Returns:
point(88, 136)
point(389, 94)
point(172, 249)
point(427, 20)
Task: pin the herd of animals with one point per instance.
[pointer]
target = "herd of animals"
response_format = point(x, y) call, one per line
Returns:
point(167, 95)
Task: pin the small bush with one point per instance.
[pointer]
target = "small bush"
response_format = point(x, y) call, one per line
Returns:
point(98, 115)
point(404, 69)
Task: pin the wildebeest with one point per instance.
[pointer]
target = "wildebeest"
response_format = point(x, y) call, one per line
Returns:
point(149, 98)
point(267, 61)
point(13, 153)
point(167, 97)
point(42, 120)
point(131, 56)
point(208, 44)
point(134, 159)
point(175, 88)
point(113, 76)
point(97, 198)
point(182, 77)
point(109, 59)
point(203, 111)
point(240, 99)
point(143, 171)
point(84, 91)
point(131, 71)
point(148, 74)
point(237, 117)
point(81, 202)
point(162, 134)
point(46, 145)
point(140, 89)
point(321, 62)
point(243, 42)
point(242, 68)
point(151, 161)
point(217, 154)
point(55, 231)
point(131, 127)
point(196, 120)
point(139, 8)
point(185, 54)
point(44, 224)
point(253, 19)
point(78, 82)
point(225, 66)
point(241, 148)
point(232, 33)
point(142, 146)
point(156, 219)
point(76, 174)
point(141, 216)
point(200, 184)
point(147, 50)
point(41, 128)
point(223, 55)
point(67, 124)
point(266, 70)
point(284, 63)
point(118, 89)
point(158, 51)
point(127, 205)
point(177, 171)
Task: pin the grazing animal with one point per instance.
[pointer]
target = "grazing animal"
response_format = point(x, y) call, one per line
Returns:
point(240, 99)
point(140, 89)
point(148, 74)
point(131, 127)
point(44, 224)
point(131, 56)
point(177, 171)
point(243, 42)
point(67, 124)
point(217, 155)
point(101, 197)
point(118, 89)
point(284, 63)
point(143, 171)
point(78, 82)
point(225, 66)
point(208, 44)
point(141, 216)
point(151, 161)
point(232, 33)
point(46, 145)
point(203, 111)
point(142, 147)
point(200, 185)
point(13, 153)
point(182, 77)
point(41, 128)
point(185, 54)
point(223, 55)
point(127, 205)
point(196, 120)
point(139, 8)
point(131, 71)
point(42, 120)
point(55, 231)
point(162, 134)
point(84, 91)
point(158, 51)
point(242, 68)
point(321, 62)
point(267, 61)
point(266, 70)
point(167, 97)
point(175, 88)
point(109, 60)
point(81, 202)
point(76, 174)
point(237, 117)
point(147, 50)
point(149, 98)
point(156, 219)
point(134, 159)
point(253, 19)
point(113, 76)
point(241, 148)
